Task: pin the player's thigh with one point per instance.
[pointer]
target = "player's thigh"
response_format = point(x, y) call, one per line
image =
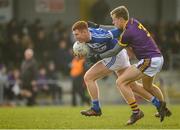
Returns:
point(129, 75)
point(97, 71)
point(119, 72)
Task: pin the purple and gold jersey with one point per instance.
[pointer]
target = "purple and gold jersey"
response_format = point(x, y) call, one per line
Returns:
point(136, 36)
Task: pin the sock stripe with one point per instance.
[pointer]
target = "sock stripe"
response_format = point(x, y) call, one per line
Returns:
point(132, 103)
point(134, 106)
point(134, 109)
point(137, 109)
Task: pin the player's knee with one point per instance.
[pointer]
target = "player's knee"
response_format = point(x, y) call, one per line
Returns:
point(119, 82)
point(133, 85)
point(87, 77)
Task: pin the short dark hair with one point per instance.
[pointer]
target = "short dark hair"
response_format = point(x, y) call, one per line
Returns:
point(120, 11)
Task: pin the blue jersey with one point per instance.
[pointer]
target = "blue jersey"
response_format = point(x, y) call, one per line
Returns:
point(102, 40)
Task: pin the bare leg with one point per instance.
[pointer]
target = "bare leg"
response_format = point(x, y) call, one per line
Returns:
point(157, 92)
point(137, 87)
point(95, 72)
point(123, 82)
point(148, 84)
point(124, 85)
point(153, 89)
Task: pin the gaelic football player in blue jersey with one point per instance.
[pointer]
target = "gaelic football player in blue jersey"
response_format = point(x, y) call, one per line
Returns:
point(100, 41)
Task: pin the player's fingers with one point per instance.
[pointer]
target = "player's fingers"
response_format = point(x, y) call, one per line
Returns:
point(80, 56)
point(74, 54)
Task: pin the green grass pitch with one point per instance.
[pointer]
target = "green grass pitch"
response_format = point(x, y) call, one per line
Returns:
point(113, 117)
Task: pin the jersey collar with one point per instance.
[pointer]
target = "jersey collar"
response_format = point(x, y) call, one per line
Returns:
point(126, 24)
point(130, 21)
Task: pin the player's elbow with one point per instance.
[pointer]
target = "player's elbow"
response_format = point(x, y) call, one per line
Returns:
point(115, 52)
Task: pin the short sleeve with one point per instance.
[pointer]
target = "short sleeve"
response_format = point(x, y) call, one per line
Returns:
point(100, 35)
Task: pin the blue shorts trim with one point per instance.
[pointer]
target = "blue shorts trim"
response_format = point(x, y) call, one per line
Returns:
point(111, 62)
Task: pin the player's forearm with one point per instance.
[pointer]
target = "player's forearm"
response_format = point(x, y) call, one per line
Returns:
point(107, 27)
point(111, 52)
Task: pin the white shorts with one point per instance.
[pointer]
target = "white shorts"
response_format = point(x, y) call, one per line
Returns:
point(151, 66)
point(118, 62)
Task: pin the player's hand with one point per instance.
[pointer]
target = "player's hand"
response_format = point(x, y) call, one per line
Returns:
point(78, 56)
point(94, 58)
point(92, 24)
point(89, 63)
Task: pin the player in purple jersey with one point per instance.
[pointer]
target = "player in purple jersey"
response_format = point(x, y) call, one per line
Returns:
point(150, 59)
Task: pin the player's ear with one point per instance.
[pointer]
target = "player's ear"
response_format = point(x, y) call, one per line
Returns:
point(121, 19)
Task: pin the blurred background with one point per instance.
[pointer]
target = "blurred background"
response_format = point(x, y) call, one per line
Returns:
point(36, 62)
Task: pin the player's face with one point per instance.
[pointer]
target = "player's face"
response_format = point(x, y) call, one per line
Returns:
point(117, 21)
point(81, 35)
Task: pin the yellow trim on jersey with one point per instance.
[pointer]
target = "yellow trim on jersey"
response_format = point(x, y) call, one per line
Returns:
point(122, 44)
point(120, 40)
